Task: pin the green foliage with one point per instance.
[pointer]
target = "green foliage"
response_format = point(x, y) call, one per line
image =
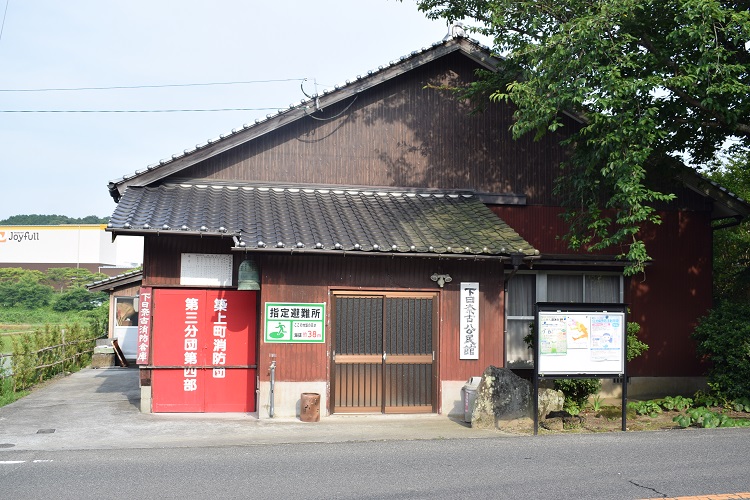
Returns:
point(710, 399)
point(596, 403)
point(635, 346)
point(41, 316)
point(79, 299)
point(50, 351)
point(705, 418)
point(98, 319)
point(50, 220)
point(25, 293)
point(577, 392)
point(677, 403)
point(650, 80)
point(16, 274)
point(731, 263)
point(650, 408)
point(62, 278)
point(741, 404)
point(723, 338)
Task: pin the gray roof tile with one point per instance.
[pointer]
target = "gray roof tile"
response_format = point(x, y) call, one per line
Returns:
point(329, 219)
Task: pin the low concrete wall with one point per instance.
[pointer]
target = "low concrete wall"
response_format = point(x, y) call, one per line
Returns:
point(146, 399)
point(451, 398)
point(287, 398)
point(653, 387)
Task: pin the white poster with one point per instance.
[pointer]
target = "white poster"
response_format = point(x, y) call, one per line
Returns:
point(199, 269)
point(469, 322)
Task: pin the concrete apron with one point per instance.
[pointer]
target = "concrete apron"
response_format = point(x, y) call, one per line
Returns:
point(99, 409)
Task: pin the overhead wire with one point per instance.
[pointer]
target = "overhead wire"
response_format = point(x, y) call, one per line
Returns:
point(127, 87)
point(5, 14)
point(169, 85)
point(134, 110)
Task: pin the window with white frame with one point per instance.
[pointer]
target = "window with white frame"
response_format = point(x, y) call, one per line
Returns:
point(524, 290)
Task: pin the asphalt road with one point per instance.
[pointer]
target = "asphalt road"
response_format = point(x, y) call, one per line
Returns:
point(603, 466)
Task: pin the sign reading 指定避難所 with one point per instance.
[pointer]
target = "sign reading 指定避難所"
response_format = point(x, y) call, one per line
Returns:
point(287, 322)
point(469, 321)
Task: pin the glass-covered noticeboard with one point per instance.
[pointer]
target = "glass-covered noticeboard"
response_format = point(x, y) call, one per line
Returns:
point(581, 339)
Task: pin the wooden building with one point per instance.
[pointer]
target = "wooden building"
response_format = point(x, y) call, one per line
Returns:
point(379, 245)
point(124, 292)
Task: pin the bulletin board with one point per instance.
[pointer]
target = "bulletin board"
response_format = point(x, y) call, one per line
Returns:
point(581, 339)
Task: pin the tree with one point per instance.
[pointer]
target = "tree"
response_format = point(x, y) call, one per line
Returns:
point(79, 299)
point(50, 220)
point(25, 293)
point(61, 278)
point(732, 244)
point(650, 79)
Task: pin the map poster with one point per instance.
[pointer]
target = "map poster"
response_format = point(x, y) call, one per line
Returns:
point(553, 338)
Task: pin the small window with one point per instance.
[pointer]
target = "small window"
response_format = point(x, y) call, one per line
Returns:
point(520, 315)
point(564, 288)
point(126, 311)
point(523, 294)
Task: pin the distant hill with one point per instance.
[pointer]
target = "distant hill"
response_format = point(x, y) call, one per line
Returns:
point(50, 220)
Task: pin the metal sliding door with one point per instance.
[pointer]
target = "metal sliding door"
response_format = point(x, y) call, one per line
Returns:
point(384, 357)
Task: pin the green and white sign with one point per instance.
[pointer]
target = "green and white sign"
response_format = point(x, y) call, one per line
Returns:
point(288, 322)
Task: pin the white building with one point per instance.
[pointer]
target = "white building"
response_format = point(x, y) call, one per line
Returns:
point(84, 245)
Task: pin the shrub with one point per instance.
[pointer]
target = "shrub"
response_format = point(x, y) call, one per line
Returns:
point(723, 338)
point(577, 392)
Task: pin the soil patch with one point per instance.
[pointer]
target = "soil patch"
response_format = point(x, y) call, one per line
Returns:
point(609, 419)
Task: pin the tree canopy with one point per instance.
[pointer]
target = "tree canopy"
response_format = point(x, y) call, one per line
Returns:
point(50, 220)
point(650, 80)
point(732, 245)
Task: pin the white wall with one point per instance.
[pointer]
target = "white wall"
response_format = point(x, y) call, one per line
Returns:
point(73, 244)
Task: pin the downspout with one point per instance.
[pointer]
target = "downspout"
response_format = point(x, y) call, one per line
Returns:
point(516, 260)
point(273, 382)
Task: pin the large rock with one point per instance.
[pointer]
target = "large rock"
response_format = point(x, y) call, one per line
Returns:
point(505, 401)
point(550, 401)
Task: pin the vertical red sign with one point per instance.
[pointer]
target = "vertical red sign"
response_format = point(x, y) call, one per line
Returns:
point(144, 326)
point(204, 340)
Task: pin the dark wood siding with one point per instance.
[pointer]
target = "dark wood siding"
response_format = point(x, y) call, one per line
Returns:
point(161, 256)
point(400, 134)
point(299, 278)
point(310, 279)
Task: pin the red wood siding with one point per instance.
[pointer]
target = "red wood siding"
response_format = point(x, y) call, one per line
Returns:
point(673, 294)
point(667, 300)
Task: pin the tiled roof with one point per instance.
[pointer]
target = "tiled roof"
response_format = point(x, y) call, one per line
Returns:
point(294, 219)
point(112, 282)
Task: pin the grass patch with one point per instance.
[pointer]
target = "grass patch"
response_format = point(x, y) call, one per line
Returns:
point(7, 396)
point(14, 317)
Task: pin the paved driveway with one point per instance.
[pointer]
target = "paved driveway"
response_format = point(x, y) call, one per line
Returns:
point(99, 409)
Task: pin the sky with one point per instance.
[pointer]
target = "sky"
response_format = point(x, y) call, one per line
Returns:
point(61, 163)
